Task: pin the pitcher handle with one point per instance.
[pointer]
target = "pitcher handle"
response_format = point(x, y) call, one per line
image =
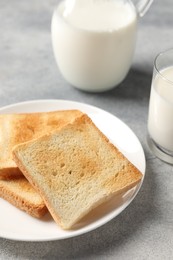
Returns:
point(142, 6)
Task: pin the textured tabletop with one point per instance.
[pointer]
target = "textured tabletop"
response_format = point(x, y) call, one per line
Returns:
point(28, 71)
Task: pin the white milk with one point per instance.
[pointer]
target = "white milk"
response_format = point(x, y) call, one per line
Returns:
point(93, 42)
point(160, 124)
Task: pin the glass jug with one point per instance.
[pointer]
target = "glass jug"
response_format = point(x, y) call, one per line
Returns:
point(94, 40)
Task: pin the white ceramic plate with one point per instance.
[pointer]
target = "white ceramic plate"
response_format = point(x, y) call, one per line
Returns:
point(17, 225)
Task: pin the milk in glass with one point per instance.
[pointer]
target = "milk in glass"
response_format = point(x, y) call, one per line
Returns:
point(160, 122)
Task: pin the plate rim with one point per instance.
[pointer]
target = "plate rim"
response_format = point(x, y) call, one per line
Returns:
point(123, 206)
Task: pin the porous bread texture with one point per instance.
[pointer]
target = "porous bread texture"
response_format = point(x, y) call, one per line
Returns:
point(75, 169)
point(22, 195)
point(19, 128)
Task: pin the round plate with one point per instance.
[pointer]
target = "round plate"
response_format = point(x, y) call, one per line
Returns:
point(17, 225)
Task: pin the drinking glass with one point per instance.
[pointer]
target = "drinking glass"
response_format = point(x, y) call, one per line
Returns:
point(160, 117)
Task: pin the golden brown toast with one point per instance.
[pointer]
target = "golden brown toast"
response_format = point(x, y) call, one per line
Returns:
point(22, 195)
point(19, 128)
point(75, 169)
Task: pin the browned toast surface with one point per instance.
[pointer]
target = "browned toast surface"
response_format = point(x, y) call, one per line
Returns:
point(22, 195)
point(19, 128)
point(75, 169)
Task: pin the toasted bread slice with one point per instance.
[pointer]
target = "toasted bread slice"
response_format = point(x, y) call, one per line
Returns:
point(22, 195)
point(19, 128)
point(75, 169)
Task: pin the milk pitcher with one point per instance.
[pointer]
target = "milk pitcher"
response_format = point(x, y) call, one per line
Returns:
point(94, 40)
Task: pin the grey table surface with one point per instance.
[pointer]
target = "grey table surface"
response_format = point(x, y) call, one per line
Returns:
point(28, 71)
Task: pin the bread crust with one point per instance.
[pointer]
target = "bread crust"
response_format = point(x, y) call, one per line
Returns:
point(21, 194)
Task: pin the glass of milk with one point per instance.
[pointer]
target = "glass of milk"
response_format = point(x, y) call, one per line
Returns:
point(94, 40)
point(160, 119)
